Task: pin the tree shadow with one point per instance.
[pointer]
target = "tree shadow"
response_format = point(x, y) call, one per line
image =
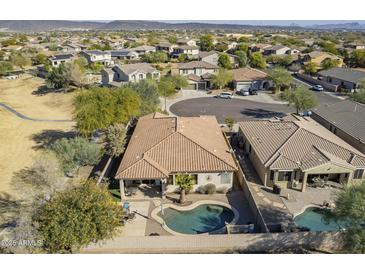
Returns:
point(43, 90)
point(260, 113)
point(49, 136)
point(9, 207)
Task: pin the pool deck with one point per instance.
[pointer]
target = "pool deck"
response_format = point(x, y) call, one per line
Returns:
point(145, 225)
point(298, 201)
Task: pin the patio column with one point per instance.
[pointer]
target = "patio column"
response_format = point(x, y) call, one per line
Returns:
point(122, 192)
point(304, 183)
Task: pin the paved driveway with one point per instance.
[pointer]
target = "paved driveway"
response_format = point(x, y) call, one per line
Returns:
point(237, 109)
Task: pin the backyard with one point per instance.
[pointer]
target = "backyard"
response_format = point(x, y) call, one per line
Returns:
point(20, 138)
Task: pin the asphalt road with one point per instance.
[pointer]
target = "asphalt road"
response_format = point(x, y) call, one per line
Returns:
point(241, 109)
point(323, 97)
point(238, 109)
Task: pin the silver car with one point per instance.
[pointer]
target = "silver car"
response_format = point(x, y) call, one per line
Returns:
point(225, 95)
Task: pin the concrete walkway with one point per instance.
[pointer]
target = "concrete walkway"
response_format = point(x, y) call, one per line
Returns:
point(24, 117)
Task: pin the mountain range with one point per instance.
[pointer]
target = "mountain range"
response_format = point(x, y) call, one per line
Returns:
point(49, 25)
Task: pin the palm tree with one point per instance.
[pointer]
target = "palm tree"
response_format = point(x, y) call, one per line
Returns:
point(185, 182)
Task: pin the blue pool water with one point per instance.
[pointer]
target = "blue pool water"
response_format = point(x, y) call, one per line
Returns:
point(313, 218)
point(201, 219)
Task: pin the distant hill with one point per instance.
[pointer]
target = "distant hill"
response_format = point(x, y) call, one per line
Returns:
point(341, 26)
point(46, 25)
point(49, 25)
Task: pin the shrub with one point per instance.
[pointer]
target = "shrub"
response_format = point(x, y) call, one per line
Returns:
point(201, 190)
point(210, 188)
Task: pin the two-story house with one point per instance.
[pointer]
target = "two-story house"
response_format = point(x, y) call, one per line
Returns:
point(99, 56)
point(122, 74)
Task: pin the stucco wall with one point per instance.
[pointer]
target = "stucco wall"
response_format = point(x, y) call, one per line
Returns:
point(204, 179)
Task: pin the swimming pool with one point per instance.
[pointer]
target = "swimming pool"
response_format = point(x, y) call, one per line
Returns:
point(203, 218)
point(313, 218)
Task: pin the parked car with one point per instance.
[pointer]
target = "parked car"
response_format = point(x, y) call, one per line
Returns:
point(225, 95)
point(243, 92)
point(253, 92)
point(318, 88)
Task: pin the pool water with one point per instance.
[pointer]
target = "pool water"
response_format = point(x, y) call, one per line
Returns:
point(201, 219)
point(313, 218)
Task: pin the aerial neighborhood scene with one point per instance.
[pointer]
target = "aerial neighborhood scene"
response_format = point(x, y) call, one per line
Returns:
point(137, 136)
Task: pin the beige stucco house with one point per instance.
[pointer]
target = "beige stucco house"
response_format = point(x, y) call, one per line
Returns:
point(162, 146)
point(296, 152)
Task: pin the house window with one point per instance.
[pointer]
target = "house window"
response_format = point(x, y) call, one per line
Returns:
point(140, 76)
point(225, 178)
point(284, 176)
point(249, 148)
point(272, 175)
point(185, 71)
point(358, 173)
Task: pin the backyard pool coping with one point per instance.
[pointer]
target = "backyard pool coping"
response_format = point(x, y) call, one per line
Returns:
point(296, 214)
point(154, 215)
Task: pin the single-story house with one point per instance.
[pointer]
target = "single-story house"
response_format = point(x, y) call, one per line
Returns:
point(258, 47)
point(186, 41)
point(92, 56)
point(69, 47)
point(277, 50)
point(185, 49)
point(142, 50)
point(346, 78)
point(297, 152)
point(166, 47)
point(59, 59)
point(346, 119)
point(122, 74)
point(317, 57)
point(124, 54)
point(249, 79)
point(162, 147)
point(354, 46)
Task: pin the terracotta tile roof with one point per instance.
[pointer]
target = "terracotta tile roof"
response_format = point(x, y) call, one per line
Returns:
point(302, 143)
point(248, 74)
point(161, 145)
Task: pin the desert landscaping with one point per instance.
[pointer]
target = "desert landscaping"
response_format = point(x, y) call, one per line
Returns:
point(19, 138)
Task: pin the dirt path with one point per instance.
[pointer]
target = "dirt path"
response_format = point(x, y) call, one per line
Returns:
point(22, 116)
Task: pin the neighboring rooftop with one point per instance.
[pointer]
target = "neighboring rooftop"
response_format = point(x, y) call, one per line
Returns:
point(346, 74)
point(348, 116)
point(197, 64)
point(161, 145)
point(299, 143)
point(248, 74)
point(61, 57)
point(132, 68)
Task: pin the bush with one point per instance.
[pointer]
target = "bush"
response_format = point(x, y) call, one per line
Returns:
point(201, 190)
point(210, 188)
point(76, 152)
point(222, 190)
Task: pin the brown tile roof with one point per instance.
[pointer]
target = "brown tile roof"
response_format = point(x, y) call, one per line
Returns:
point(248, 74)
point(301, 143)
point(161, 145)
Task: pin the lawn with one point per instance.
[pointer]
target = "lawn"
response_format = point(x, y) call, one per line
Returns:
point(20, 140)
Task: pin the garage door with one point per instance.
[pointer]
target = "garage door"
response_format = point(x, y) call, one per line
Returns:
point(191, 87)
point(243, 86)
